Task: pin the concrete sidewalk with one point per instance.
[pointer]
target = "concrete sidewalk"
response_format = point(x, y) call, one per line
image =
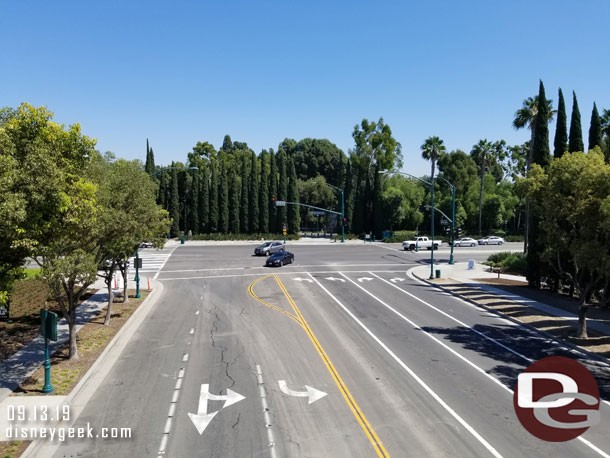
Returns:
point(460, 273)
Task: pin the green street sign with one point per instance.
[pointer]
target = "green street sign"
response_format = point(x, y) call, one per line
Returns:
point(48, 324)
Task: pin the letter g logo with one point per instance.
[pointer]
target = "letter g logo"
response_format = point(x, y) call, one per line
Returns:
point(556, 399)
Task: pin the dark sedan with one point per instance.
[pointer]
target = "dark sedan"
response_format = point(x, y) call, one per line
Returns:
point(280, 258)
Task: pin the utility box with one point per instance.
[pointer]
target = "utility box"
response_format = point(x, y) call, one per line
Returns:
point(438, 273)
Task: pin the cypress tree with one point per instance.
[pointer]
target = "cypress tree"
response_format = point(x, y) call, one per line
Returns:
point(234, 225)
point(575, 142)
point(282, 191)
point(194, 207)
point(162, 197)
point(263, 195)
point(253, 223)
point(357, 224)
point(541, 153)
point(149, 167)
point(595, 130)
point(377, 202)
point(561, 131)
point(227, 144)
point(273, 210)
point(204, 202)
point(348, 197)
point(223, 200)
point(245, 198)
point(294, 217)
point(174, 205)
point(213, 223)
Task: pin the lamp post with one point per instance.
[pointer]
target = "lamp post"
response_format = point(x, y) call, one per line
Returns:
point(452, 218)
point(342, 210)
point(431, 184)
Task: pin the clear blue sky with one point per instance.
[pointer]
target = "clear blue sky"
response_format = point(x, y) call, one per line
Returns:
point(180, 72)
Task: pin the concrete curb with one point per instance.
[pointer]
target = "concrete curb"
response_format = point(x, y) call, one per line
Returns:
point(531, 328)
point(86, 387)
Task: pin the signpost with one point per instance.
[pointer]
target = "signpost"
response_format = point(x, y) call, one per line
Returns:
point(48, 329)
point(285, 231)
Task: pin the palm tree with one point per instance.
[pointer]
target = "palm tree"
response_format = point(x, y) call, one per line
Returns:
point(481, 154)
point(526, 116)
point(432, 150)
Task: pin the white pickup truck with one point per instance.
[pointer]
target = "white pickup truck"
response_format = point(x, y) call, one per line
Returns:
point(421, 242)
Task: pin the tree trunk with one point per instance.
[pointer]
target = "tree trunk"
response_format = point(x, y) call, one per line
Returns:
point(110, 299)
point(481, 195)
point(582, 320)
point(71, 318)
point(125, 274)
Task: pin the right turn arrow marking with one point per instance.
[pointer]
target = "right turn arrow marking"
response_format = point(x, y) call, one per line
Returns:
point(312, 393)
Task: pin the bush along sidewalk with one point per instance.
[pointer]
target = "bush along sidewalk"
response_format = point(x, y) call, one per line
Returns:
point(508, 262)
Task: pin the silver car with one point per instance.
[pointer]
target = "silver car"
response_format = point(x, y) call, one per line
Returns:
point(268, 248)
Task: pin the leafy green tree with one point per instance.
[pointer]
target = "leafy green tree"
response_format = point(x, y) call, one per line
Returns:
point(393, 208)
point(174, 205)
point(315, 192)
point(595, 131)
point(263, 195)
point(234, 218)
point(357, 224)
point(204, 201)
point(214, 209)
point(574, 207)
point(273, 211)
point(253, 182)
point(294, 220)
point(561, 131)
point(245, 197)
point(313, 157)
point(282, 190)
point(223, 199)
point(375, 144)
point(483, 155)
point(575, 141)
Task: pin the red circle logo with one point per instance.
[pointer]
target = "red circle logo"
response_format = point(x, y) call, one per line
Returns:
point(556, 399)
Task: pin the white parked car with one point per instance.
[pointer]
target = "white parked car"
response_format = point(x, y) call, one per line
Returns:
point(466, 241)
point(491, 240)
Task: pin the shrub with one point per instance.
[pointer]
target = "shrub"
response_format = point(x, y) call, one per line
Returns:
point(499, 258)
point(516, 264)
point(514, 238)
point(222, 236)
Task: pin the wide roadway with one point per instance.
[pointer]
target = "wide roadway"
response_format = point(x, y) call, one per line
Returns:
point(408, 370)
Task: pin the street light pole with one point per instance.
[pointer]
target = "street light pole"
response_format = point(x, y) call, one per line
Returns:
point(452, 218)
point(137, 260)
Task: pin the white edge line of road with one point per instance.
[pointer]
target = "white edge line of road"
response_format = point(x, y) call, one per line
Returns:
point(299, 266)
point(435, 396)
point(466, 360)
point(93, 378)
point(303, 272)
point(515, 323)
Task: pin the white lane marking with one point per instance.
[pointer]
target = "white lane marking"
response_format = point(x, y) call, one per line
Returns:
point(172, 409)
point(192, 331)
point(300, 266)
point(474, 366)
point(407, 369)
point(395, 279)
point(387, 247)
point(168, 426)
point(303, 279)
point(170, 414)
point(178, 384)
point(312, 393)
point(163, 444)
point(175, 396)
point(361, 279)
point(268, 425)
point(197, 312)
point(164, 262)
point(185, 357)
point(335, 279)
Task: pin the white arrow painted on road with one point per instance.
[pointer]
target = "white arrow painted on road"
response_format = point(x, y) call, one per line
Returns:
point(395, 279)
point(202, 418)
point(335, 279)
point(364, 278)
point(303, 279)
point(312, 393)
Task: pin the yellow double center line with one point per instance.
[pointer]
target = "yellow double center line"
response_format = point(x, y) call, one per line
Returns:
point(299, 318)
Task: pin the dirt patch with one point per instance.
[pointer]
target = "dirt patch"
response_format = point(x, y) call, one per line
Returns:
point(91, 341)
point(29, 296)
point(13, 449)
point(499, 281)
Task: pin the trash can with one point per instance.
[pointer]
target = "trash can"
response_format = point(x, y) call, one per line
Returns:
point(438, 273)
point(182, 240)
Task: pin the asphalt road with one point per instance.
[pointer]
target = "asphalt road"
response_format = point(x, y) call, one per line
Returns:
point(406, 370)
